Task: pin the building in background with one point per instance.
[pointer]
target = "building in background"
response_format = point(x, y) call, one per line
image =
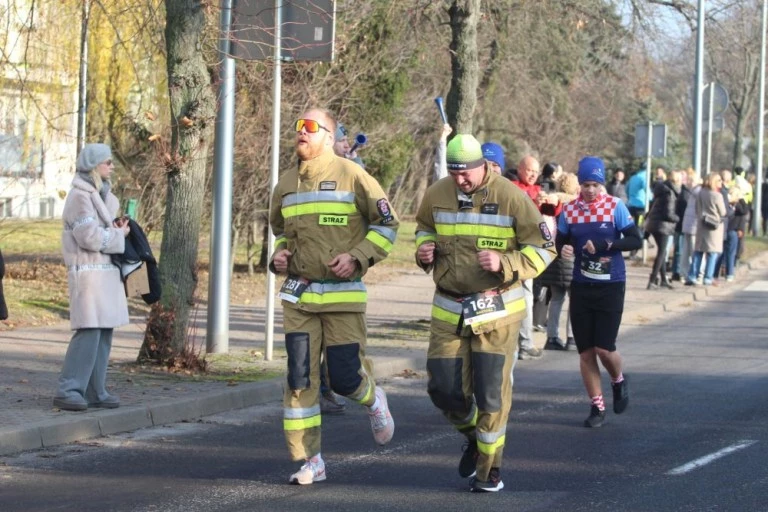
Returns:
point(38, 107)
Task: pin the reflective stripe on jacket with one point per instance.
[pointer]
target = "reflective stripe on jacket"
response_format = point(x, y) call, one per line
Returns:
point(328, 206)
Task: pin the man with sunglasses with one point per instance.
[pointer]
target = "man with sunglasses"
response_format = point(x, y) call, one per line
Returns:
point(332, 221)
point(480, 236)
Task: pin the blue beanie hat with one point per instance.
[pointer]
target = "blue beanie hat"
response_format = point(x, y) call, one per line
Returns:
point(341, 131)
point(494, 153)
point(591, 168)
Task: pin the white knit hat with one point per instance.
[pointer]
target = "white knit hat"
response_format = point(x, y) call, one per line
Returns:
point(91, 156)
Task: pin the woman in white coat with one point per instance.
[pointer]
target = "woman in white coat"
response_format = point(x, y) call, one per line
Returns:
point(97, 302)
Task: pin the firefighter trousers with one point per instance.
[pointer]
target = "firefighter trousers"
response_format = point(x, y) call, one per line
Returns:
point(341, 338)
point(470, 380)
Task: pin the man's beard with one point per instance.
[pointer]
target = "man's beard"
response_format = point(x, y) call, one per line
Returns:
point(308, 152)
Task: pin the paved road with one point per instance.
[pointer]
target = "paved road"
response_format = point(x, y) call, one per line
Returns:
point(695, 438)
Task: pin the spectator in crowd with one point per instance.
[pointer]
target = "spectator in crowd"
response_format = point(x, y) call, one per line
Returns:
point(661, 222)
point(636, 194)
point(558, 275)
point(440, 170)
point(343, 148)
point(710, 212)
point(680, 206)
point(550, 173)
point(688, 226)
point(764, 204)
point(494, 157)
point(734, 225)
point(660, 176)
point(616, 187)
point(528, 171)
point(97, 302)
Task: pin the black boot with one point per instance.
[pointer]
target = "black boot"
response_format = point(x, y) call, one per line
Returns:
point(653, 283)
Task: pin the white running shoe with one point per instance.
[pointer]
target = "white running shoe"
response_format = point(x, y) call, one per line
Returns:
point(382, 424)
point(312, 471)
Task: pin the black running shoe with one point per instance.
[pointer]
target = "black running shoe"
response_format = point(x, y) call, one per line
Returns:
point(620, 396)
point(468, 461)
point(494, 483)
point(596, 418)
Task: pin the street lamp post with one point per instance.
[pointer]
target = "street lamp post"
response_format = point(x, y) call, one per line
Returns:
point(758, 196)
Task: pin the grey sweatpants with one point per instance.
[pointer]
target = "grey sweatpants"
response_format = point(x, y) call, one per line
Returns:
point(84, 374)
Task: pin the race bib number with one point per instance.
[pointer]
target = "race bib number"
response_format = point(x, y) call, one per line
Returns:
point(596, 268)
point(483, 307)
point(292, 288)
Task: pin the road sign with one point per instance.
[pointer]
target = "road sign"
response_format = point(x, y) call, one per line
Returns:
point(307, 31)
point(718, 124)
point(658, 141)
point(719, 101)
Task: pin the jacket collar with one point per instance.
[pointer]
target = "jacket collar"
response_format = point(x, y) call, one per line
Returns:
point(310, 168)
point(98, 203)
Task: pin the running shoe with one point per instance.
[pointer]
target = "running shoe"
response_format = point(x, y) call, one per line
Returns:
point(382, 424)
point(312, 471)
point(596, 418)
point(620, 396)
point(494, 483)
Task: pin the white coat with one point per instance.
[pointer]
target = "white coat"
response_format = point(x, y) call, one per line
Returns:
point(96, 292)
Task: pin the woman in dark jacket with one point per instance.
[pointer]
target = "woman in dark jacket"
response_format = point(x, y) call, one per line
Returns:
point(557, 277)
point(661, 223)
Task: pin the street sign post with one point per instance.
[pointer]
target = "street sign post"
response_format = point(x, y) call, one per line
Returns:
point(650, 141)
point(277, 30)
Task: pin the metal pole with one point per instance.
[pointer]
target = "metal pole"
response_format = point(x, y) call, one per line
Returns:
point(269, 328)
point(711, 86)
point(81, 92)
point(758, 195)
point(697, 108)
point(217, 332)
point(647, 183)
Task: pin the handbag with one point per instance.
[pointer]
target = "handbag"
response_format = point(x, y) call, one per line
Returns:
point(710, 221)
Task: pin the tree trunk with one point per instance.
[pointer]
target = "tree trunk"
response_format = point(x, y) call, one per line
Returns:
point(744, 108)
point(462, 97)
point(193, 107)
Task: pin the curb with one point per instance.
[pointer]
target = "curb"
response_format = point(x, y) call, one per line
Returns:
point(89, 425)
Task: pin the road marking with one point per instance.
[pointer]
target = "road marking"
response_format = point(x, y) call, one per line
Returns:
point(757, 286)
point(703, 461)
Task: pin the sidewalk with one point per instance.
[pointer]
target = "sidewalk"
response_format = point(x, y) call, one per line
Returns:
point(398, 309)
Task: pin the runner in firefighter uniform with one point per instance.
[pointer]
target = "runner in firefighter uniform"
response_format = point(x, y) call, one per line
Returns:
point(480, 236)
point(332, 221)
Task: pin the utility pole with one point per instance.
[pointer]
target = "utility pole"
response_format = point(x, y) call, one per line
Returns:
point(83, 77)
point(217, 332)
point(698, 104)
point(277, 83)
point(758, 195)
